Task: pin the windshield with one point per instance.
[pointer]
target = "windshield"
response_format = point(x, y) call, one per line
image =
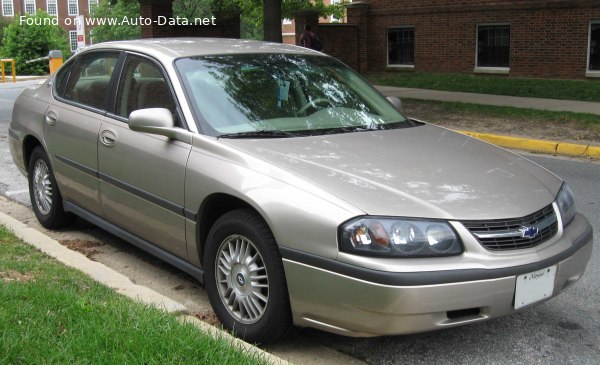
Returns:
point(282, 95)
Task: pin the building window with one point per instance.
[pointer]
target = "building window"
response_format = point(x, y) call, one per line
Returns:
point(92, 4)
point(334, 19)
point(594, 55)
point(52, 7)
point(73, 7)
point(73, 40)
point(401, 46)
point(287, 21)
point(30, 6)
point(7, 8)
point(493, 46)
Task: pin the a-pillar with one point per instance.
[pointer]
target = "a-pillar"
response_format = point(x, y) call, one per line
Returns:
point(304, 17)
point(357, 12)
point(151, 10)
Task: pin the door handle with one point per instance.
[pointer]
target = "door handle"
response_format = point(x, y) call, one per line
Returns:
point(51, 117)
point(108, 138)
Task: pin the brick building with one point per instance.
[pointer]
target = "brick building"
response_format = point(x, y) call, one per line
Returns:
point(62, 9)
point(526, 38)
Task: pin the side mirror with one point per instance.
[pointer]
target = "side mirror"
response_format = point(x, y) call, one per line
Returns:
point(396, 102)
point(157, 121)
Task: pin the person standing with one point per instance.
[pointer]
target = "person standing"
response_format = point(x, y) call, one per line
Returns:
point(310, 39)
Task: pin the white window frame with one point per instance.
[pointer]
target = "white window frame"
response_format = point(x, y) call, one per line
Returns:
point(55, 7)
point(332, 18)
point(588, 72)
point(73, 40)
point(91, 5)
point(28, 4)
point(11, 11)
point(286, 21)
point(487, 69)
point(70, 5)
point(387, 47)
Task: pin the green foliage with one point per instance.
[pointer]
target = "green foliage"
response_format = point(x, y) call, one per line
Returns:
point(190, 9)
point(112, 14)
point(4, 23)
point(29, 41)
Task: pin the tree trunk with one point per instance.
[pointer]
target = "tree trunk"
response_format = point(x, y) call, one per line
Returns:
point(272, 20)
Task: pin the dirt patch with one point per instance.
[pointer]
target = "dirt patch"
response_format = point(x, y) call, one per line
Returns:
point(562, 130)
point(209, 317)
point(12, 275)
point(87, 248)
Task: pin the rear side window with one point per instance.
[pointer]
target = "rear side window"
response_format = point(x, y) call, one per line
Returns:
point(89, 78)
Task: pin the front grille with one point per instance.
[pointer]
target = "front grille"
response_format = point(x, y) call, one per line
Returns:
point(508, 234)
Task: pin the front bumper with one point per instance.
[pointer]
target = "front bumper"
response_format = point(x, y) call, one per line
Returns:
point(368, 304)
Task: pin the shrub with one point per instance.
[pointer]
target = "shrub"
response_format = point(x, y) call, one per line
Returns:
point(27, 40)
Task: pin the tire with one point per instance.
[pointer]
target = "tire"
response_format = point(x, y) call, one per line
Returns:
point(44, 194)
point(245, 280)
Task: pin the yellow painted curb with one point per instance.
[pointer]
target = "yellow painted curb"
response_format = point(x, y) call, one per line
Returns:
point(537, 145)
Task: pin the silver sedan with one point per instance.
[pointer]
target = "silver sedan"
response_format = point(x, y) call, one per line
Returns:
point(294, 191)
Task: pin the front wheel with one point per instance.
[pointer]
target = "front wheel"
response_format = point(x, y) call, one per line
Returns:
point(43, 192)
point(244, 278)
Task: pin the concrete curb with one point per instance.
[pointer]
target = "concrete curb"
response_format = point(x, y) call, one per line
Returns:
point(119, 282)
point(537, 145)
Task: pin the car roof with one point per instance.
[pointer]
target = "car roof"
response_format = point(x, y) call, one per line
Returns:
point(171, 48)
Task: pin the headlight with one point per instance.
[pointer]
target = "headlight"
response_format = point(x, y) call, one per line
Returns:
point(566, 204)
point(398, 237)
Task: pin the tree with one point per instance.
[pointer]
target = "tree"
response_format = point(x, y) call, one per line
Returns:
point(110, 17)
point(32, 38)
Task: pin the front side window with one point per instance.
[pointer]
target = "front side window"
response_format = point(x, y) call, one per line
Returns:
point(594, 56)
point(493, 46)
point(73, 7)
point(401, 46)
point(52, 7)
point(143, 85)
point(282, 93)
point(8, 8)
point(30, 6)
point(89, 79)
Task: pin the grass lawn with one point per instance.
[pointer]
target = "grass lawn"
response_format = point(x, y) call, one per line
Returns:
point(51, 314)
point(589, 120)
point(584, 90)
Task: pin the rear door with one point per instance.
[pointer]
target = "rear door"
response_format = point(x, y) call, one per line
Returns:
point(142, 175)
point(72, 124)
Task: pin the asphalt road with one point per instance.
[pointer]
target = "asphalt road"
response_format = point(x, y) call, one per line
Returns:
point(561, 331)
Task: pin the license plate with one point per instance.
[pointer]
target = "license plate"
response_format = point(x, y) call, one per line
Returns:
point(534, 286)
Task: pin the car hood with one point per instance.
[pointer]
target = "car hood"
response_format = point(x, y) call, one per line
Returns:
point(424, 171)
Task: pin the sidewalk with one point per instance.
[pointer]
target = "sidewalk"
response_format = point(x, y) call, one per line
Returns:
point(487, 99)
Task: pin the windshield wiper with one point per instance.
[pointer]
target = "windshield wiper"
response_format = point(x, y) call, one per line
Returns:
point(258, 134)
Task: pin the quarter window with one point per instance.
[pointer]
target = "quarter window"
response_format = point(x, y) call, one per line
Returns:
point(594, 56)
point(73, 7)
point(8, 8)
point(493, 46)
point(142, 86)
point(401, 46)
point(30, 6)
point(89, 79)
point(52, 7)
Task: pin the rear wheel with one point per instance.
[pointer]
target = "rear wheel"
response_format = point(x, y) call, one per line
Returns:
point(244, 278)
point(43, 192)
